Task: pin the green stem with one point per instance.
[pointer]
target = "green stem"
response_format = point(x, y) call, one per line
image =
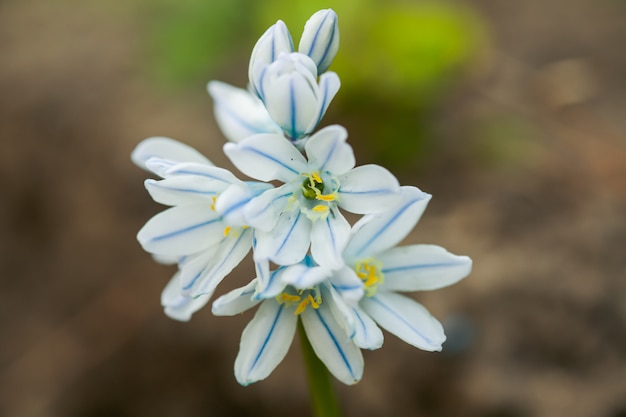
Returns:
point(323, 399)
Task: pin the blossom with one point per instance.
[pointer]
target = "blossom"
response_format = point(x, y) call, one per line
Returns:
point(372, 255)
point(203, 230)
point(304, 211)
point(266, 339)
point(285, 92)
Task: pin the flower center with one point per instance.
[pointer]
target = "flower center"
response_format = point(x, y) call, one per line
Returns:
point(301, 299)
point(370, 272)
point(314, 203)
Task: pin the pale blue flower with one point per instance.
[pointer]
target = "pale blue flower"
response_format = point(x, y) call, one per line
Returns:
point(286, 94)
point(204, 229)
point(304, 211)
point(266, 339)
point(371, 255)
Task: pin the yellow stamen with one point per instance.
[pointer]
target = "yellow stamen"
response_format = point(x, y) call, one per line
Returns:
point(327, 197)
point(320, 208)
point(370, 272)
point(213, 199)
point(316, 177)
point(226, 231)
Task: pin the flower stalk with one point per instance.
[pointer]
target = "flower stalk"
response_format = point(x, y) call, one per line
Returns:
point(324, 401)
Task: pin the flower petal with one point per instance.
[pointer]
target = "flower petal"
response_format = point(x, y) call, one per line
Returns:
point(213, 173)
point(178, 306)
point(275, 285)
point(263, 211)
point(181, 230)
point(367, 334)
point(347, 284)
point(329, 238)
point(264, 342)
point(290, 93)
point(405, 318)
point(332, 345)
point(375, 233)
point(232, 202)
point(288, 242)
point(239, 114)
point(230, 253)
point(236, 301)
point(303, 276)
point(368, 189)
point(329, 84)
point(422, 267)
point(165, 148)
point(327, 150)
point(188, 189)
point(266, 157)
point(271, 44)
point(320, 38)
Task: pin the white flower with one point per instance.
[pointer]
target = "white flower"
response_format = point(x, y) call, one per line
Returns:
point(320, 41)
point(292, 96)
point(204, 230)
point(305, 209)
point(266, 339)
point(385, 270)
point(286, 93)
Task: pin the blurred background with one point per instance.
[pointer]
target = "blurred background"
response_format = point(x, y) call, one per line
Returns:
point(512, 114)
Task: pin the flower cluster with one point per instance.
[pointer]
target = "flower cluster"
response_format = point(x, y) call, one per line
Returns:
point(342, 281)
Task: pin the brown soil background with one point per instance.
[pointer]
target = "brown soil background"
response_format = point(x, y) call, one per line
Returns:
point(538, 329)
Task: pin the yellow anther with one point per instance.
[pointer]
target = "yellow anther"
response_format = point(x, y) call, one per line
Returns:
point(327, 197)
point(226, 231)
point(244, 227)
point(320, 208)
point(314, 304)
point(370, 272)
point(301, 307)
point(213, 200)
point(316, 177)
point(289, 298)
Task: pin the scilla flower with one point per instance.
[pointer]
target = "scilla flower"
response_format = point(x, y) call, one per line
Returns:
point(304, 211)
point(372, 256)
point(266, 339)
point(203, 231)
point(286, 93)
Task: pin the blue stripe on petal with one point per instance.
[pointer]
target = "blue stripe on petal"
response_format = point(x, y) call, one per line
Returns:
point(270, 157)
point(403, 320)
point(421, 266)
point(267, 338)
point(336, 343)
point(185, 230)
point(292, 108)
point(293, 226)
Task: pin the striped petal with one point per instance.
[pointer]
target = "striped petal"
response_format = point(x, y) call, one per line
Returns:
point(405, 318)
point(376, 233)
point(422, 267)
point(266, 157)
point(263, 211)
point(213, 173)
point(236, 301)
point(303, 276)
point(328, 87)
point(232, 202)
point(178, 306)
point(165, 148)
point(175, 191)
point(271, 44)
point(367, 335)
point(288, 242)
point(275, 285)
point(264, 342)
point(181, 230)
point(329, 238)
point(332, 345)
point(239, 114)
point(347, 284)
point(290, 93)
point(320, 38)
point(368, 189)
point(328, 151)
point(229, 254)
